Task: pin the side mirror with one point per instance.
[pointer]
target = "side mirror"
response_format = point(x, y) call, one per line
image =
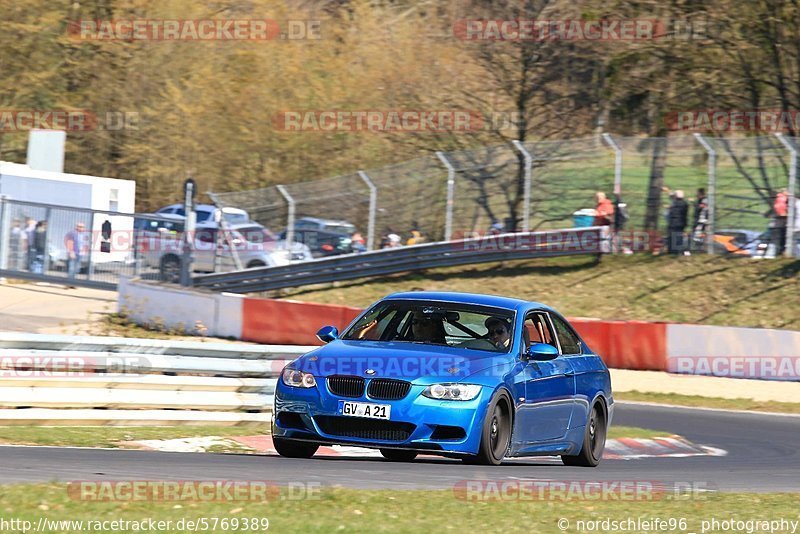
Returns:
point(326, 334)
point(542, 352)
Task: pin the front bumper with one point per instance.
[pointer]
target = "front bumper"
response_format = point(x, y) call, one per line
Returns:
point(416, 422)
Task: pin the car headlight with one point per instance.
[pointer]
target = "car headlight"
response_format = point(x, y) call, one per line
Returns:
point(298, 379)
point(458, 392)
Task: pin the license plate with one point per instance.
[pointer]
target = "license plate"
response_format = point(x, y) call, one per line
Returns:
point(365, 409)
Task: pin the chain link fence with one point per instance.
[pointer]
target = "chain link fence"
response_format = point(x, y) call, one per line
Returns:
point(538, 185)
point(535, 185)
point(77, 246)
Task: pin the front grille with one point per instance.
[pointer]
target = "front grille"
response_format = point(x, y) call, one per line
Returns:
point(388, 389)
point(358, 427)
point(346, 386)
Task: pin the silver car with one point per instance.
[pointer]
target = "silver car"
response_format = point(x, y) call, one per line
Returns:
point(214, 250)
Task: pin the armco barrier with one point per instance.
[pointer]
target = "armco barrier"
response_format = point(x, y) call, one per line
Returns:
point(46, 379)
point(505, 247)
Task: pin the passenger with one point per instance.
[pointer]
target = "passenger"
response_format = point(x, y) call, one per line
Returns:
point(499, 332)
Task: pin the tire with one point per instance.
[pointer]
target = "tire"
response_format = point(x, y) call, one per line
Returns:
point(170, 269)
point(294, 449)
point(594, 440)
point(495, 433)
point(397, 455)
point(256, 263)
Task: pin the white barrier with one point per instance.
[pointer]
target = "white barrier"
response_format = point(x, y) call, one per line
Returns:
point(217, 314)
point(733, 352)
point(66, 380)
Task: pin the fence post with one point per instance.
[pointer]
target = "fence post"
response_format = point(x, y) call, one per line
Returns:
point(790, 221)
point(3, 239)
point(89, 266)
point(373, 201)
point(290, 218)
point(451, 182)
point(526, 197)
point(617, 162)
point(712, 192)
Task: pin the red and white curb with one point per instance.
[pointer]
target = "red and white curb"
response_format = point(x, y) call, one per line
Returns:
point(668, 447)
point(616, 449)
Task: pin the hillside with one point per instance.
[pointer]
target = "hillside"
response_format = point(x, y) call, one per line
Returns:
point(695, 289)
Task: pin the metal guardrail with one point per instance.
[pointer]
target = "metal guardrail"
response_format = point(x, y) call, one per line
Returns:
point(504, 247)
point(54, 379)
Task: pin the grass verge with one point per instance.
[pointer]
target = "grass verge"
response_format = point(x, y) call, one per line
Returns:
point(635, 432)
point(394, 511)
point(111, 436)
point(697, 289)
point(710, 402)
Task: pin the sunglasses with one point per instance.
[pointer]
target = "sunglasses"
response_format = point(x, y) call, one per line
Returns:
point(497, 331)
point(421, 321)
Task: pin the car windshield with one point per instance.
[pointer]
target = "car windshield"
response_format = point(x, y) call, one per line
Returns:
point(341, 229)
point(436, 323)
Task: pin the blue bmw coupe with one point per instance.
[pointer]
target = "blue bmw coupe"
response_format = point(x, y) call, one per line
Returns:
point(475, 377)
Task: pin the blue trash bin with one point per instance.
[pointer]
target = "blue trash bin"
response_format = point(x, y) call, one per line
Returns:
point(583, 218)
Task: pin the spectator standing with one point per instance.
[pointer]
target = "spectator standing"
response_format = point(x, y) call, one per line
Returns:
point(496, 228)
point(37, 246)
point(677, 219)
point(604, 210)
point(30, 233)
point(780, 209)
point(621, 218)
point(358, 243)
point(73, 241)
point(700, 218)
point(416, 238)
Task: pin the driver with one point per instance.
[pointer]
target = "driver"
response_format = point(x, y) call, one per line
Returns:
point(426, 328)
point(499, 332)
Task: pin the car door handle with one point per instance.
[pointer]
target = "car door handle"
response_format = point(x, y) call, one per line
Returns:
point(570, 373)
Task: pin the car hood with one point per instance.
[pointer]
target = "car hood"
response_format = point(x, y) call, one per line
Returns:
point(422, 364)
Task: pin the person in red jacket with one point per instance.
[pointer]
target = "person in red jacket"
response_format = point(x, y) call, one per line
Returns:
point(604, 211)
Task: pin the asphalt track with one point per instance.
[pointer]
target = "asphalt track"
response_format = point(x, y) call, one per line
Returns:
point(763, 455)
